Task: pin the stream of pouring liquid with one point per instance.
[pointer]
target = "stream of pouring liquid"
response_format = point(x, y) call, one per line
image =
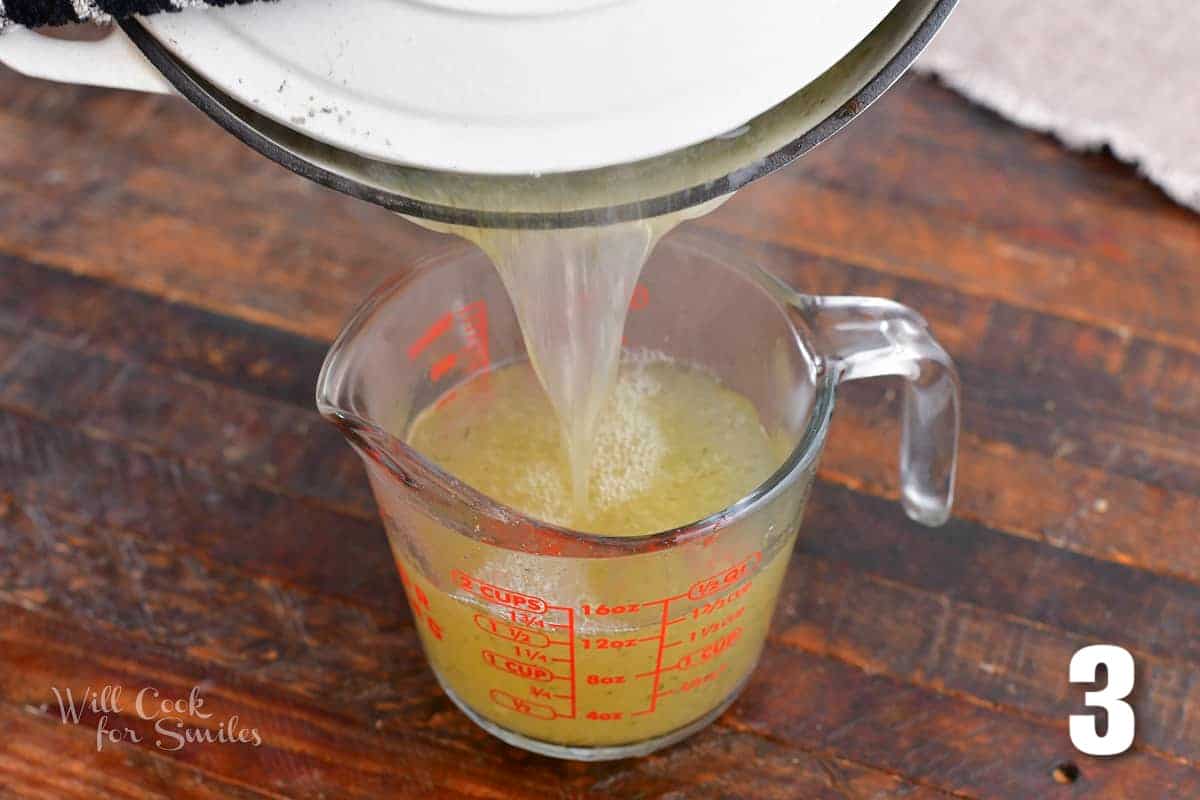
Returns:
point(571, 290)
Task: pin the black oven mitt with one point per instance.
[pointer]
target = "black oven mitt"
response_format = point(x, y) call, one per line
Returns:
point(36, 13)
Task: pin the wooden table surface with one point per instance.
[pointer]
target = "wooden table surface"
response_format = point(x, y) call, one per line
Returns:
point(173, 513)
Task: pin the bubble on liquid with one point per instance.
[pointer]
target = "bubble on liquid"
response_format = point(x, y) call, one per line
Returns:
point(629, 443)
point(674, 445)
point(547, 496)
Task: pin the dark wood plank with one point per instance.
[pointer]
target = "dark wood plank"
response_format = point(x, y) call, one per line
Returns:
point(304, 750)
point(166, 182)
point(270, 615)
point(78, 158)
point(43, 759)
point(145, 585)
point(351, 659)
point(47, 360)
point(905, 193)
point(1141, 426)
point(358, 659)
point(279, 444)
point(1096, 512)
point(905, 662)
point(735, 764)
point(110, 484)
point(165, 187)
point(963, 746)
point(949, 646)
point(928, 115)
point(112, 386)
point(914, 243)
point(309, 752)
point(163, 184)
point(969, 562)
point(114, 321)
point(1034, 381)
point(1088, 510)
point(881, 518)
point(368, 664)
point(959, 165)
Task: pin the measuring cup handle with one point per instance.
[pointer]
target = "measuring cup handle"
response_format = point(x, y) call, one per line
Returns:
point(868, 337)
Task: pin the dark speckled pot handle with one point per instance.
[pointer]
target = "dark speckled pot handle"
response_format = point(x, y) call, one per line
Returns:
point(39, 13)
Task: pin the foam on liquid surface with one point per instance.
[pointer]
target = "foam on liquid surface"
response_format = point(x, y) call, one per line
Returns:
point(571, 290)
point(672, 445)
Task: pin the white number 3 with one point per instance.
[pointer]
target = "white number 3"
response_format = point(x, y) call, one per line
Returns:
point(1111, 698)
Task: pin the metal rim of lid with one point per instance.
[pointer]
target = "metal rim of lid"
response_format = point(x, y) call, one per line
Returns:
point(514, 87)
point(266, 136)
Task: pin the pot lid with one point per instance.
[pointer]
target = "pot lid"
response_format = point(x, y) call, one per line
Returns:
point(515, 86)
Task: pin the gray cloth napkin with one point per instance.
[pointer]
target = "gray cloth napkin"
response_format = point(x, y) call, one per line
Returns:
point(1122, 73)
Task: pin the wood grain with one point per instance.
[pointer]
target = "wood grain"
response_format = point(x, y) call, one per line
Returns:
point(306, 751)
point(45, 356)
point(47, 760)
point(1057, 429)
point(963, 747)
point(173, 513)
point(951, 646)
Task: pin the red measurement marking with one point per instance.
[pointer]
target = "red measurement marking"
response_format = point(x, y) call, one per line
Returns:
point(521, 669)
point(604, 610)
point(724, 579)
point(605, 716)
point(472, 322)
point(603, 643)
point(499, 595)
point(605, 680)
point(664, 600)
point(714, 627)
point(712, 606)
point(700, 680)
point(658, 659)
point(709, 651)
point(431, 335)
point(418, 601)
point(531, 653)
point(416, 593)
point(511, 633)
point(442, 366)
point(571, 651)
point(641, 297)
point(520, 705)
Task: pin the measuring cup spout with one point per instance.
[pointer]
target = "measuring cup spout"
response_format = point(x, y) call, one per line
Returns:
point(401, 478)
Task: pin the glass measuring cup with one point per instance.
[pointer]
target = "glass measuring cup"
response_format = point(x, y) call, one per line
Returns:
point(594, 647)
